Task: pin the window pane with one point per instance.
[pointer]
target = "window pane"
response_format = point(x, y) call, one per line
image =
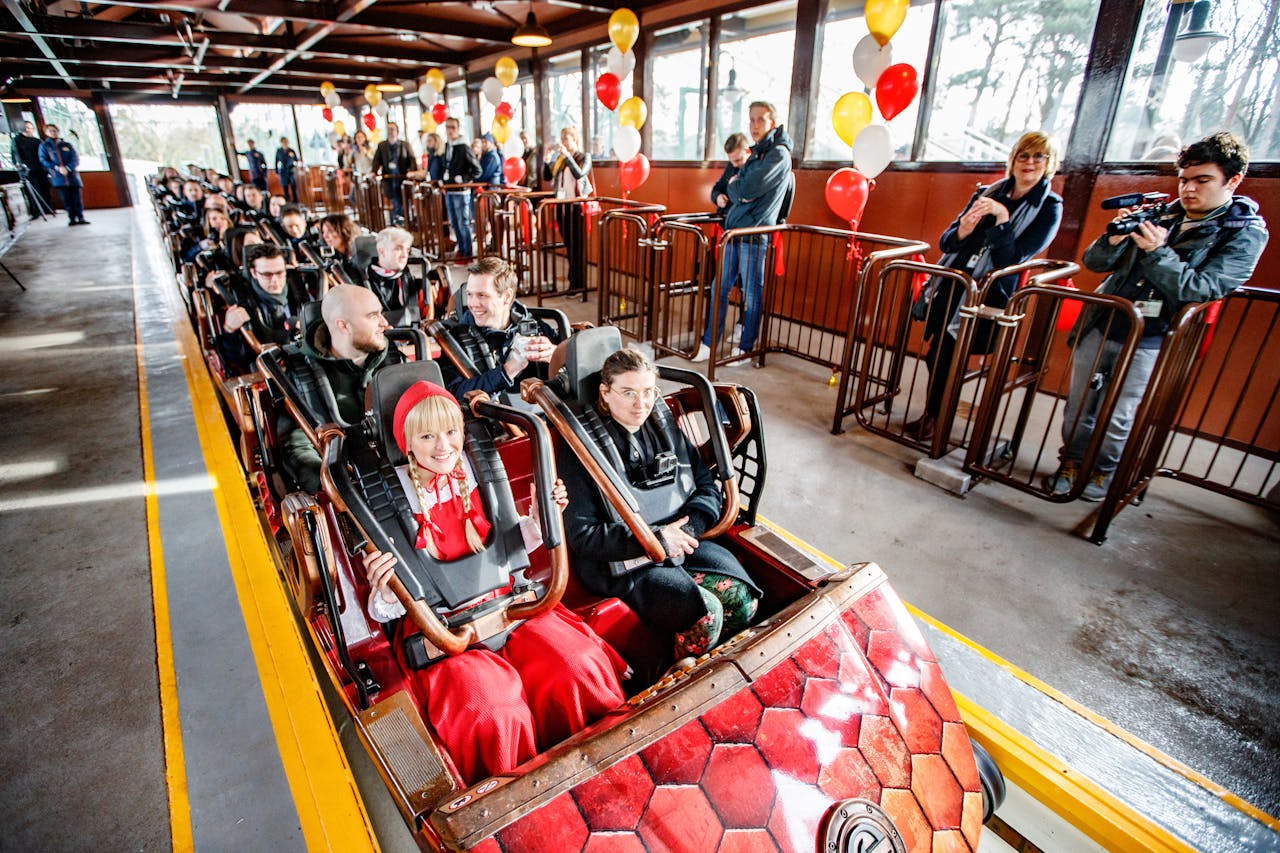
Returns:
point(1167, 103)
point(1005, 68)
point(528, 111)
point(265, 124)
point(512, 95)
point(756, 48)
point(78, 125)
point(12, 129)
point(845, 26)
point(564, 92)
point(678, 61)
point(152, 136)
point(456, 98)
point(603, 121)
point(313, 136)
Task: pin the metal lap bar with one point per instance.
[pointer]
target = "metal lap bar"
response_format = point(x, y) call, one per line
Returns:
point(682, 265)
point(1028, 375)
point(1210, 412)
point(882, 326)
point(625, 273)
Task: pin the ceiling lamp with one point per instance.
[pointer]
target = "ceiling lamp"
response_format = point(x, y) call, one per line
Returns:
point(9, 96)
point(389, 84)
point(1194, 42)
point(531, 33)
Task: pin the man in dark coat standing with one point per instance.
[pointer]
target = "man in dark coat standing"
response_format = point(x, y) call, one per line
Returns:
point(26, 158)
point(286, 162)
point(60, 159)
point(393, 159)
point(257, 166)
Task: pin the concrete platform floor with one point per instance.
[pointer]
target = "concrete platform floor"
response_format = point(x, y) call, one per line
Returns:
point(1169, 629)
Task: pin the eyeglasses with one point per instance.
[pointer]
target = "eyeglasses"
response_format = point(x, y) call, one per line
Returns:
point(631, 394)
point(1026, 156)
point(270, 274)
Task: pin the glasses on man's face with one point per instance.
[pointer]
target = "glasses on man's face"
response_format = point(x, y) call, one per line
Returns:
point(633, 394)
point(272, 274)
point(1028, 157)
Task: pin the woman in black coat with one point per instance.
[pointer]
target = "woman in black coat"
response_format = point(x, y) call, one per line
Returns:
point(568, 170)
point(700, 593)
point(1004, 224)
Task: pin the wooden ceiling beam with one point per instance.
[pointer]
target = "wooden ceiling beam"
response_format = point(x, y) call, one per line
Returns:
point(29, 28)
point(308, 39)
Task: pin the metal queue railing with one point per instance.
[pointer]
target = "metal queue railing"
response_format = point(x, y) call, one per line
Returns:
point(626, 272)
point(505, 218)
point(684, 261)
point(1211, 415)
point(551, 262)
point(369, 203)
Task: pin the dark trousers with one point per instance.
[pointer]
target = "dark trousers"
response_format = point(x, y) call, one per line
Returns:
point(666, 598)
point(942, 351)
point(391, 190)
point(289, 186)
point(260, 182)
point(39, 193)
point(573, 228)
point(71, 201)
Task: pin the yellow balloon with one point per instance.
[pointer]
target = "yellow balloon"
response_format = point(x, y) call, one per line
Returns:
point(327, 88)
point(851, 114)
point(340, 127)
point(372, 95)
point(428, 123)
point(375, 136)
point(506, 71)
point(632, 112)
point(884, 17)
point(435, 79)
point(624, 29)
point(501, 129)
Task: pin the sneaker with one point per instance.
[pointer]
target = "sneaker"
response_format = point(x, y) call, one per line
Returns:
point(1061, 481)
point(922, 429)
point(737, 334)
point(1098, 486)
point(703, 353)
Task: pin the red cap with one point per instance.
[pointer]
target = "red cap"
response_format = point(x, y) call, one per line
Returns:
point(416, 393)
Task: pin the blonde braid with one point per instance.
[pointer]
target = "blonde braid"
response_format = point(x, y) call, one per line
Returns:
point(474, 541)
point(422, 506)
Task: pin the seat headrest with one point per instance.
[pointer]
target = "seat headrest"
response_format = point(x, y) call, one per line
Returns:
point(365, 251)
point(584, 356)
point(233, 239)
point(388, 385)
point(310, 314)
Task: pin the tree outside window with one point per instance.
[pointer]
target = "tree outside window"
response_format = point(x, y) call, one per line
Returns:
point(678, 60)
point(564, 93)
point(78, 125)
point(756, 46)
point(155, 135)
point(264, 124)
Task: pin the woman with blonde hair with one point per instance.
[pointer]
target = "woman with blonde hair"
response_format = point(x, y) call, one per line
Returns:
point(552, 678)
point(568, 169)
point(1003, 224)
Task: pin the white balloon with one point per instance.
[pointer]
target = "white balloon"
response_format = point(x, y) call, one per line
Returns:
point(873, 150)
point(427, 95)
point(626, 142)
point(492, 88)
point(513, 147)
point(870, 60)
point(332, 99)
point(382, 108)
point(620, 64)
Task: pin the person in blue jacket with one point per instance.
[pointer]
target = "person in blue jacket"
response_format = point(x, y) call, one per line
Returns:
point(755, 196)
point(286, 161)
point(61, 161)
point(257, 166)
point(490, 161)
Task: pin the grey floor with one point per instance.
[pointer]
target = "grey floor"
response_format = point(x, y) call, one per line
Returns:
point(1170, 629)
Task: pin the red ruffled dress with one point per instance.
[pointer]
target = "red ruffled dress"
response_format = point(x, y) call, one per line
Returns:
point(495, 710)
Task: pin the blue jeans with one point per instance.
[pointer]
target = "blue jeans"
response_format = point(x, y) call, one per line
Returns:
point(391, 189)
point(1096, 356)
point(743, 262)
point(458, 204)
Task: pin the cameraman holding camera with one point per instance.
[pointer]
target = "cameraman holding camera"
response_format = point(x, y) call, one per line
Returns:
point(1197, 249)
point(504, 340)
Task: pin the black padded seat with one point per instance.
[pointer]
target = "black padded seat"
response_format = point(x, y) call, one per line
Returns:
point(364, 252)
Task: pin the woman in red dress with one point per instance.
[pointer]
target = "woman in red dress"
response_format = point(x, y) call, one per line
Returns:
point(491, 710)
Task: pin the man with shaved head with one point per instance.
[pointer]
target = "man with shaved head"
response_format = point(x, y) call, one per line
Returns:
point(349, 345)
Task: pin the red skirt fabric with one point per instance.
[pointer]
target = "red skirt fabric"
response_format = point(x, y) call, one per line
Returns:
point(494, 711)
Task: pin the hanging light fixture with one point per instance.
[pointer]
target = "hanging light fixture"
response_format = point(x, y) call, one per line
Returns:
point(1194, 42)
point(531, 33)
point(9, 96)
point(389, 84)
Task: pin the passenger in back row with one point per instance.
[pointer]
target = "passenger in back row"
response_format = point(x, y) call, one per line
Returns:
point(268, 308)
point(499, 333)
point(348, 345)
point(389, 277)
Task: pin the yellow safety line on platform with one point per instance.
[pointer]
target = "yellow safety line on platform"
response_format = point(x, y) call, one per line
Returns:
point(175, 770)
point(329, 807)
point(993, 730)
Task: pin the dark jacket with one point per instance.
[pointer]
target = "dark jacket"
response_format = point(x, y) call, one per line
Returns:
point(755, 198)
point(721, 187)
point(393, 160)
point(26, 150)
point(461, 166)
point(490, 168)
point(579, 165)
point(348, 381)
point(286, 159)
point(60, 153)
point(257, 163)
point(1197, 263)
point(434, 164)
point(398, 294)
point(269, 320)
point(496, 344)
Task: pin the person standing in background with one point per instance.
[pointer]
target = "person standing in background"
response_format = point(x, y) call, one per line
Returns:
point(257, 166)
point(26, 158)
point(286, 162)
point(60, 159)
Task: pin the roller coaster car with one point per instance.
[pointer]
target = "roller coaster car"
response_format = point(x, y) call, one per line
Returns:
point(826, 726)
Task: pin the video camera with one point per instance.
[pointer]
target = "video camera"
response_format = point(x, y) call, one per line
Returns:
point(1148, 208)
point(660, 470)
point(528, 327)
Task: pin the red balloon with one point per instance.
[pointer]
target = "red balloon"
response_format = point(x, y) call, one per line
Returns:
point(440, 112)
point(504, 109)
point(896, 89)
point(609, 90)
point(634, 172)
point(370, 120)
point(513, 169)
point(327, 112)
point(847, 191)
